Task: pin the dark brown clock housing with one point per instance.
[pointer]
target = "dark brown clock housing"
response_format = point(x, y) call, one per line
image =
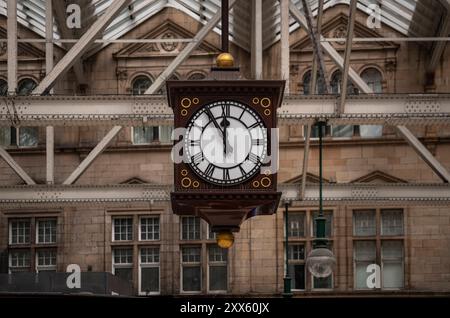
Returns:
point(212, 192)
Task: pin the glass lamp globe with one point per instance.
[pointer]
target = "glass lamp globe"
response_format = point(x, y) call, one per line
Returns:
point(225, 239)
point(321, 262)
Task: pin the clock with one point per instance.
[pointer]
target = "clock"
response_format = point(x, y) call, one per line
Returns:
point(224, 131)
point(225, 143)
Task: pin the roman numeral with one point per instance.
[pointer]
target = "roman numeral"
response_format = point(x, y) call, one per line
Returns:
point(253, 158)
point(194, 143)
point(257, 142)
point(210, 170)
point(197, 158)
point(226, 110)
point(226, 174)
point(242, 170)
point(254, 125)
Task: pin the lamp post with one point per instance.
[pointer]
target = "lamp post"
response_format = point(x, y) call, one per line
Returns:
point(287, 279)
point(321, 260)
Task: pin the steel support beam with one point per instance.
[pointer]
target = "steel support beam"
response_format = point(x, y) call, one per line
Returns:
point(80, 47)
point(256, 38)
point(347, 54)
point(439, 47)
point(284, 42)
point(50, 132)
point(359, 82)
point(15, 166)
point(305, 160)
point(92, 155)
point(146, 110)
point(319, 31)
point(357, 194)
point(423, 152)
point(12, 46)
point(60, 17)
point(184, 54)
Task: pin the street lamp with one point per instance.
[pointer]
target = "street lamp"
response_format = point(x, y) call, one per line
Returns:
point(287, 279)
point(320, 261)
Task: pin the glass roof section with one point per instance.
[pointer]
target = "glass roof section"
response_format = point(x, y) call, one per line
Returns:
point(416, 18)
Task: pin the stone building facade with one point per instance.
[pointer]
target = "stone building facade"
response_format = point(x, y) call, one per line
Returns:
point(162, 253)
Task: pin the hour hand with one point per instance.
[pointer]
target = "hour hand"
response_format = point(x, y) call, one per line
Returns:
point(211, 116)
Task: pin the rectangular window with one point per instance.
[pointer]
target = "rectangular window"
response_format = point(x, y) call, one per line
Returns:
point(149, 228)
point(46, 260)
point(191, 269)
point(217, 266)
point(19, 261)
point(28, 137)
point(364, 223)
point(190, 228)
point(150, 134)
point(391, 222)
point(123, 263)
point(342, 131)
point(149, 270)
point(328, 222)
point(296, 255)
point(364, 255)
point(392, 264)
point(123, 229)
point(19, 231)
point(211, 235)
point(296, 224)
point(46, 231)
point(5, 136)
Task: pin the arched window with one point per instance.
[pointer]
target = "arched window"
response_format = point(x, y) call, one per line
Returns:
point(197, 76)
point(336, 84)
point(3, 87)
point(140, 84)
point(26, 86)
point(320, 85)
point(374, 79)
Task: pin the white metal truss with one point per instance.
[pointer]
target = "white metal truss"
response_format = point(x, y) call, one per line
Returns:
point(389, 194)
point(150, 110)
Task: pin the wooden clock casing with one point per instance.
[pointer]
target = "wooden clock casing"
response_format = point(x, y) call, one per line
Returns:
point(225, 207)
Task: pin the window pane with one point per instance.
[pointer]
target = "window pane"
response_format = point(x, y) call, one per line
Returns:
point(190, 228)
point(191, 254)
point(361, 275)
point(26, 86)
point(296, 224)
point(297, 274)
point(150, 279)
point(149, 228)
point(392, 275)
point(28, 136)
point(323, 283)
point(370, 131)
point(391, 222)
point(296, 252)
point(141, 84)
point(373, 79)
point(3, 87)
point(218, 277)
point(342, 131)
point(124, 273)
point(123, 229)
point(46, 258)
point(217, 254)
point(123, 256)
point(20, 231)
point(364, 223)
point(328, 222)
point(5, 136)
point(46, 231)
point(365, 251)
point(165, 134)
point(191, 278)
point(19, 259)
point(145, 134)
point(150, 255)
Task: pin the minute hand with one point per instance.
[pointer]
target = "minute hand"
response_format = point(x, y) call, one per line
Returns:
point(211, 116)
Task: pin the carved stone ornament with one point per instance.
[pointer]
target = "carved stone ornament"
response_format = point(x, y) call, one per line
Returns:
point(340, 32)
point(169, 46)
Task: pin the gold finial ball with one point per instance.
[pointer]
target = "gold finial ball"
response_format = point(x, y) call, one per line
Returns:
point(225, 239)
point(225, 60)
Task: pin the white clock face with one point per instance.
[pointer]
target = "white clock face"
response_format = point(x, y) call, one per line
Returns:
point(225, 143)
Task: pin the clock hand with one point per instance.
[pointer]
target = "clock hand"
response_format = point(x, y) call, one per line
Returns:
point(211, 116)
point(225, 123)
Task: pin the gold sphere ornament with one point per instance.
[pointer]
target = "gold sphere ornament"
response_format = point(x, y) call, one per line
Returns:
point(225, 239)
point(225, 60)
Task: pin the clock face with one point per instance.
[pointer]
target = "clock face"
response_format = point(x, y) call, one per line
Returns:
point(225, 143)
